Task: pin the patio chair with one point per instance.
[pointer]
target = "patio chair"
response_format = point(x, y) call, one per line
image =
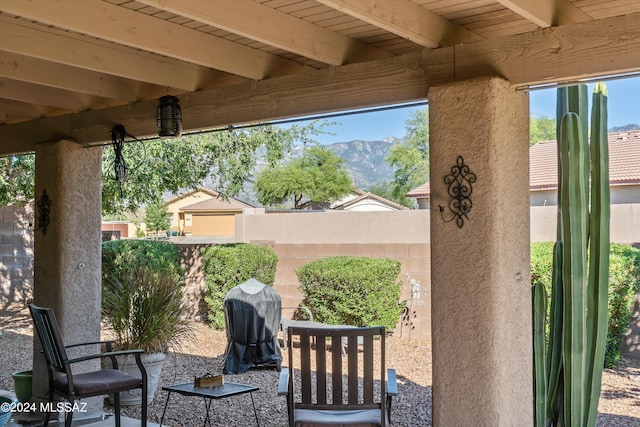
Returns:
point(71, 386)
point(330, 387)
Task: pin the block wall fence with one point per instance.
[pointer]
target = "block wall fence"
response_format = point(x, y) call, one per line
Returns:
point(299, 238)
point(16, 253)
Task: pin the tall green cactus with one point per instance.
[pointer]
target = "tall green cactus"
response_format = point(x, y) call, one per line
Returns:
point(567, 374)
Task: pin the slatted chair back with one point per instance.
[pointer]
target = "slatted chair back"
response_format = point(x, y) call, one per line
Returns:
point(340, 372)
point(46, 326)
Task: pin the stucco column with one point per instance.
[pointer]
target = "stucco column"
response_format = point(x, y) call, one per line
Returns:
point(481, 311)
point(67, 257)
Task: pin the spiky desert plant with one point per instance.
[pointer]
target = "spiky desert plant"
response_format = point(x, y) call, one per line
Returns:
point(567, 375)
point(143, 308)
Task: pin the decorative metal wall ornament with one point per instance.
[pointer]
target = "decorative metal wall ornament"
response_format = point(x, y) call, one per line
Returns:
point(44, 210)
point(460, 187)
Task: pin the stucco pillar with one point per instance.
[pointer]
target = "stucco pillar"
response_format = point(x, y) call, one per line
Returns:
point(481, 311)
point(67, 257)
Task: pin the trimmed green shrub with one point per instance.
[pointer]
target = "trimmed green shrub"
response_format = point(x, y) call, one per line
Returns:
point(122, 256)
point(354, 291)
point(226, 266)
point(624, 283)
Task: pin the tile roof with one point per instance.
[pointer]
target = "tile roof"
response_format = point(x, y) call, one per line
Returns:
point(419, 192)
point(624, 163)
point(360, 195)
point(216, 204)
point(210, 192)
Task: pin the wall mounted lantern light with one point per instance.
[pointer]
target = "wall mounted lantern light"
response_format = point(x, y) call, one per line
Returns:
point(459, 187)
point(169, 118)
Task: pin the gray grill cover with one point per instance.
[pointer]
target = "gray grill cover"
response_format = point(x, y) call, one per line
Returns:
point(252, 322)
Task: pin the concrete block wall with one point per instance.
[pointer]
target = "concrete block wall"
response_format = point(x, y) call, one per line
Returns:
point(16, 253)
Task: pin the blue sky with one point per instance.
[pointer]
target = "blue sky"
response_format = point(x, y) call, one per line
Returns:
point(624, 108)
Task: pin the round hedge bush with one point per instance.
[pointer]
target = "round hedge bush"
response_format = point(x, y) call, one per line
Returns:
point(355, 291)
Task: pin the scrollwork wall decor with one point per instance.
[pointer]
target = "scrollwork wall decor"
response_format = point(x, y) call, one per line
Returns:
point(44, 210)
point(459, 188)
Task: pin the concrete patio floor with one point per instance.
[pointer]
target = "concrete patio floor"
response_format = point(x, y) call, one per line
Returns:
point(94, 420)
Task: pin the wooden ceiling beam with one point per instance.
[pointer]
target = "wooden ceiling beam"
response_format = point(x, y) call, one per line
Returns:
point(126, 27)
point(51, 74)
point(26, 110)
point(561, 54)
point(547, 13)
point(49, 96)
point(84, 52)
point(558, 54)
point(272, 27)
point(387, 81)
point(406, 19)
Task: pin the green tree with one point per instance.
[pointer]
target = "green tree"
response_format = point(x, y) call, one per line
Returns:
point(226, 158)
point(157, 217)
point(410, 159)
point(318, 175)
point(542, 128)
point(385, 189)
point(17, 179)
point(156, 167)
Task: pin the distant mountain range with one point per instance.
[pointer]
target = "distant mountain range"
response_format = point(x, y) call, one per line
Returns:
point(363, 159)
point(625, 128)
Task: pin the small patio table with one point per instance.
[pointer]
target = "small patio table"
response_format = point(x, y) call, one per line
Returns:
point(228, 389)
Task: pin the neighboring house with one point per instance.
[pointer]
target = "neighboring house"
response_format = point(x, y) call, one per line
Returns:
point(624, 172)
point(363, 201)
point(357, 200)
point(114, 230)
point(422, 194)
point(213, 217)
point(179, 221)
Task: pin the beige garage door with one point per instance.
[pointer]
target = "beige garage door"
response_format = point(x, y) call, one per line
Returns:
point(213, 225)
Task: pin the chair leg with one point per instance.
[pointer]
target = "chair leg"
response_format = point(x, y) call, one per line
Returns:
point(116, 406)
point(47, 415)
point(143, 421)
point(68, 416)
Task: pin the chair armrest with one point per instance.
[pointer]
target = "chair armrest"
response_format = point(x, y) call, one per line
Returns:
point(283, 382)
point(306, 310)
point(392, 383)
point(103, 355)
point(107, 343)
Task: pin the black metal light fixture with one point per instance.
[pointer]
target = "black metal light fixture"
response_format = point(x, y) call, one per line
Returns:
point(169, 118)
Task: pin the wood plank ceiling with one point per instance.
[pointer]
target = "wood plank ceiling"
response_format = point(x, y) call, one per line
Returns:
point(62, 58)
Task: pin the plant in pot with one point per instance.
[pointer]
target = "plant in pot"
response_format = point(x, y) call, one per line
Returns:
point(142, 307)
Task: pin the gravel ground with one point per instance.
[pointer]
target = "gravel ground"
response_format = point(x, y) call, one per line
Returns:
point(619, 404)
